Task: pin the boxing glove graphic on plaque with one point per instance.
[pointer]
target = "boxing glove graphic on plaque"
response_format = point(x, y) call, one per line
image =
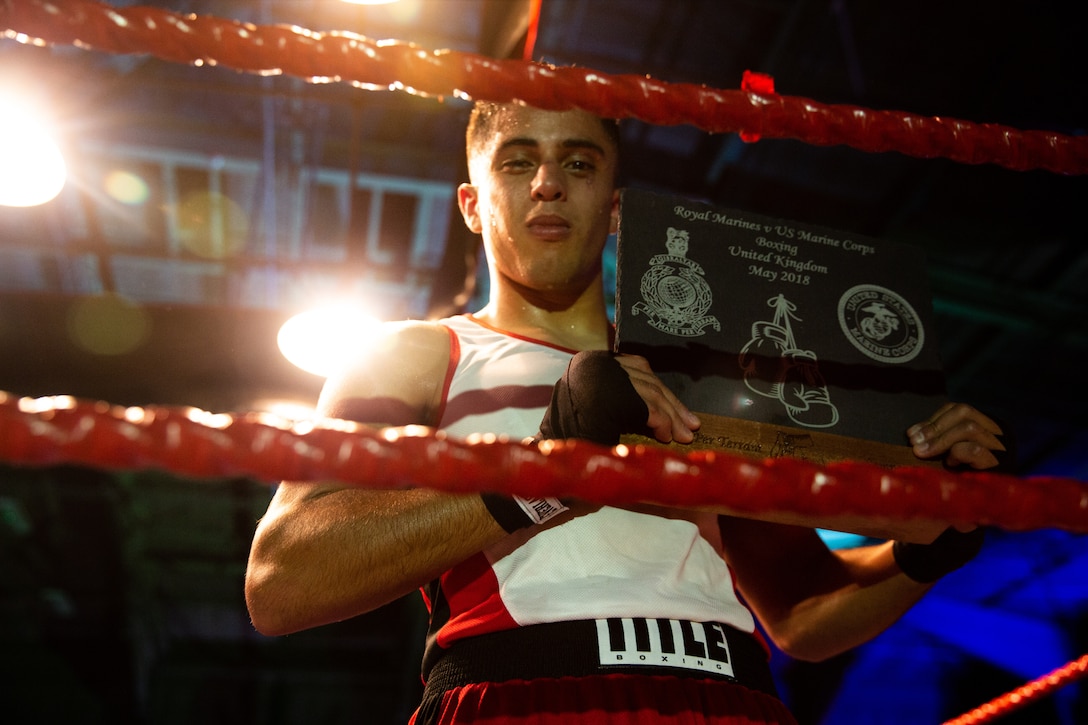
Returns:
point(775, 367)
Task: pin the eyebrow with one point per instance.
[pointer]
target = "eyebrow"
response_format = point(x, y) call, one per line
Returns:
point(570, 143)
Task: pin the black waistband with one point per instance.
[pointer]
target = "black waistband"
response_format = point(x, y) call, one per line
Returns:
point(632, 646)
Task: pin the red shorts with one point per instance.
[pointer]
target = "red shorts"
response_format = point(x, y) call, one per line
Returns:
point(615, 699)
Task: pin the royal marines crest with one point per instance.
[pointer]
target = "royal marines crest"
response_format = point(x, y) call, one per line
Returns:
point(674, 292)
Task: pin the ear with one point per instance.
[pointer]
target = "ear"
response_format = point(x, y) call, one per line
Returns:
point(614, 213)
point(468, 202)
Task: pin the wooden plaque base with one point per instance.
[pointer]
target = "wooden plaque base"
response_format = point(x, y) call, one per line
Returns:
point(765, 440)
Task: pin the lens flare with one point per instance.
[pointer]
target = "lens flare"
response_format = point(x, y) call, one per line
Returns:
point(32, 169)
point(127, 188)
point(108, 325)
point(319, 341)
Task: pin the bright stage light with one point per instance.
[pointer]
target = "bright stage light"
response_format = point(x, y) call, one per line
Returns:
point(320, 340)
point(32, 170)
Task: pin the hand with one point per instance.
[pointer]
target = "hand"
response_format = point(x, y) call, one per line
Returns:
point(962, 434)
point(602, 396)
point(668, 418)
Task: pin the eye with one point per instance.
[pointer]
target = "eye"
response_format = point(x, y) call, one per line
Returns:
point(581, 165)
point(516, 164)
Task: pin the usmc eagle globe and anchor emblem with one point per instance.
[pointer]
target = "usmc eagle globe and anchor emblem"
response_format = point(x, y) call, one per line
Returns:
point(674, 292)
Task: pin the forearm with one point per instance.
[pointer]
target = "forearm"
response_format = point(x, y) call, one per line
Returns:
point(317, 559)
point(872, 595)
point(916, 530)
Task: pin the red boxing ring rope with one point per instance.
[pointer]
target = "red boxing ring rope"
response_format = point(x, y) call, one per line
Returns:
point(200, 444)
point(393, 65)
point(1001, 706)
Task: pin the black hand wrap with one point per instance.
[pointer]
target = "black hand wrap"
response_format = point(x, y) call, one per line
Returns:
point(594, 401)
point(926, 563)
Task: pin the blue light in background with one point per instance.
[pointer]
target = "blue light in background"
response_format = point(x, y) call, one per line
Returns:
point(1016, 613)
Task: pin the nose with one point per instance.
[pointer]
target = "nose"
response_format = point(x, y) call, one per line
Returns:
point(548, 183)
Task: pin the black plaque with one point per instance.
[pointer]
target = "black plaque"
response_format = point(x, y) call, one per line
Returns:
point(819, 334)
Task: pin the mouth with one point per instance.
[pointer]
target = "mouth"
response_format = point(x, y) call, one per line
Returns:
point(550, 227)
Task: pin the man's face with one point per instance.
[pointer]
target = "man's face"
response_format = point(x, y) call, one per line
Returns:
point(542, 196)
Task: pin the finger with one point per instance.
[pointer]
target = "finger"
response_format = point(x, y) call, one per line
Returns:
point(669, 418)
point(639, 369)
point(963, 432)
point(950, 415)
point(636, 362)
point(969, 453)
point(953, 419)
point(967, 435)
point(666, 429)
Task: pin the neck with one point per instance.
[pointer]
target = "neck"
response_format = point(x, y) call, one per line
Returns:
point(579, 324)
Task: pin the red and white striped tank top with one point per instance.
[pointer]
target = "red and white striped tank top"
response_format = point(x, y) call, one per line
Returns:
point(611, 563)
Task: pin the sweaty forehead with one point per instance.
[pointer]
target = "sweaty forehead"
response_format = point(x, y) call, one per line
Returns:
point(527, 125)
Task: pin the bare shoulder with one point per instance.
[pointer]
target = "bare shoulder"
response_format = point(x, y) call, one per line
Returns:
point(411, 338)
point(396, 378)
